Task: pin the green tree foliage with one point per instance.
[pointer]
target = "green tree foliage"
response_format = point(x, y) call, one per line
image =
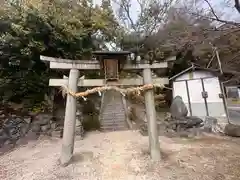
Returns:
point(54, 28)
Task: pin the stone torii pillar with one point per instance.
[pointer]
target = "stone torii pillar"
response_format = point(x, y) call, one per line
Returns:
point(154, 146)
point(70, 120)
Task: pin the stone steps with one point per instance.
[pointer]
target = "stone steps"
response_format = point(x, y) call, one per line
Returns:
point(113, 128)
point(113, 123)
point(112, 115)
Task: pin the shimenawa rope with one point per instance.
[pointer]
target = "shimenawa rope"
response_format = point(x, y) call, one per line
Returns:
point(136, 90)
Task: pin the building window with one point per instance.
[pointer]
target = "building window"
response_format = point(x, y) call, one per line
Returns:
point(233, 92)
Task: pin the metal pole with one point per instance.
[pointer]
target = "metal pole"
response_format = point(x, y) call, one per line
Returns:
point(219, 61)
point(225, 101)
point(70, 120)
point(151, 117)
point(188, 95)
point(205, 98)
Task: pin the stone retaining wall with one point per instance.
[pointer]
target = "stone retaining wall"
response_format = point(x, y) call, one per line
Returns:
point(15, 130)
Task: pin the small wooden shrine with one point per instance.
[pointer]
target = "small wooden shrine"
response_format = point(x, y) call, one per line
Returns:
point(111, 63)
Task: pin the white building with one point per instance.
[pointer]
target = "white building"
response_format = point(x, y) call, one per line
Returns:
point(201, 92)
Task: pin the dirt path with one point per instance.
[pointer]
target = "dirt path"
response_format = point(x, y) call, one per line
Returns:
point(123, 156)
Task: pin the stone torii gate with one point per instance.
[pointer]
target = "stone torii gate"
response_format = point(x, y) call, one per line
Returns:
point(74, 81)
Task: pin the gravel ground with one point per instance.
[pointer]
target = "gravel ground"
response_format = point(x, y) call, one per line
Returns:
point(124, 156)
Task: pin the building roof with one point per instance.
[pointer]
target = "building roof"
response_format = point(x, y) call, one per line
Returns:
point(109, 53)
point(193, 68)
point(113, 55)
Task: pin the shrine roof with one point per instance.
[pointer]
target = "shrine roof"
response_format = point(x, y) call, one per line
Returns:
point(110, 53)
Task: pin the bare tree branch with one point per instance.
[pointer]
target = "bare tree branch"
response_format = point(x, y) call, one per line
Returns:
point(127, 10)
point(141, 8)
point(212, 10)
point(237, 5)
point(219, 20)
point(215, 16)
point(125, 4)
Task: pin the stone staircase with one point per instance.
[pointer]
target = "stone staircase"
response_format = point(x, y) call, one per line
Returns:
point(112, 114)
